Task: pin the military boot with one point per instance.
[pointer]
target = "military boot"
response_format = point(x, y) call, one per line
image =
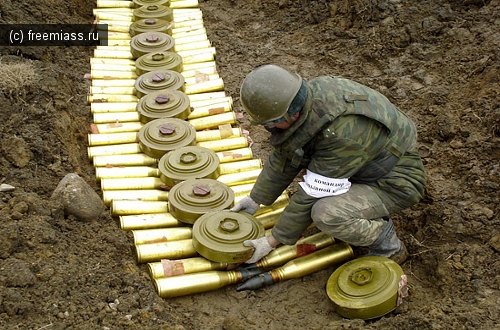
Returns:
point(388, 244)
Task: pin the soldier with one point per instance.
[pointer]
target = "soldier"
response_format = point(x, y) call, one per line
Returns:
point(358, 150)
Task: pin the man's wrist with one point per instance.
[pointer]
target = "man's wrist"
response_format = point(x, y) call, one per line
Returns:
point(273, 241)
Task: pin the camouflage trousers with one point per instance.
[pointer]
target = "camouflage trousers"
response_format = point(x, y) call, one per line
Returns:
point(354, 217)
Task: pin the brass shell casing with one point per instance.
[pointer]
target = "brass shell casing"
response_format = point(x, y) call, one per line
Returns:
point(241, 166)
point(189, 39)
point(111, 75)
point(148, 236)
point(213, 121)
point(111, 61)
point(175, 286)
point(188, 74)
point(225, 144)
point(109, 67)
point(187, 28)
point(124, 160)
point(234, 179)
point(115, 53)
point(218, 134)
point(124, 207)
point(118, 28)
point(114, 4)
point(198, 68)
point(211, 109)
point(118, 35)
point(207, 97)
point(105, 98)
point(202, 77)
point(117, 149)
point(183, 32)
point(200, 58)
point(203, 102)
point(167, 268)
point(125, 90)
point(192, 45)
point(109, 196)
point(209, 50)
point(113, 107)
point(148, 221)
point(285, 253)
point(113, 83)
point(112, 16)
point(280, 202)
point(181, 24)
point(313, 262)
point(184, 4)
point(166, 250)
point(112, 138)
point(269, 219)
point(113, 48)
point(113, 117)
point(126, 172)
point(116, 127)
point(242, 190)
point(206, 86)
point(132, 183)
point(235, 155)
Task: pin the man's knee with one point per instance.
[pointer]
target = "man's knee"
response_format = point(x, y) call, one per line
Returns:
point(325, 213)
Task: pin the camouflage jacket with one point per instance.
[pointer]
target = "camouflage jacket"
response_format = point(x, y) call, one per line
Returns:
point(346, 130)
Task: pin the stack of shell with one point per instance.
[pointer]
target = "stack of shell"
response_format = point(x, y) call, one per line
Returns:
point(129, 176)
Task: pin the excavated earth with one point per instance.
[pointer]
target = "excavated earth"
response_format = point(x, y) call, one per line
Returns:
point(436, 60)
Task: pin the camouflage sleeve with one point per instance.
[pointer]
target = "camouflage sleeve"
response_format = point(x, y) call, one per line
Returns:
point(295, 218)
point(275, 177)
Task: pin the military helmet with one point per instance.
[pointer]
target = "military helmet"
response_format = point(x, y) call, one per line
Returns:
point(267, 92)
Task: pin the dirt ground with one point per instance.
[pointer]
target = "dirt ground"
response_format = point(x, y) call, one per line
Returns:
point(437, 60)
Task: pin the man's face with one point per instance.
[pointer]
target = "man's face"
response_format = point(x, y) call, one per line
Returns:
point(281, 125)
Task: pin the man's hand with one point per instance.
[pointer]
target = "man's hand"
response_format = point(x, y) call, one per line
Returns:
point(247, 205)
point(262, 248)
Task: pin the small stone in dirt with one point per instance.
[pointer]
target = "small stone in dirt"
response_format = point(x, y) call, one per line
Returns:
point(78, 198)
point(10, 238)
point(495, 243)
point(6, 187)
point(21, 207)
point(233, 323)
point(17, 151)
point(456, 144)
point(23, 274)
point(16, 215)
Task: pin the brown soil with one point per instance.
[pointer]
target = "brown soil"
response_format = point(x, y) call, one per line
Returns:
point(437, 60)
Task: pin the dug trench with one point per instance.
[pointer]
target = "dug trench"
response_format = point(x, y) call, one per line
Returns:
point(436, 60)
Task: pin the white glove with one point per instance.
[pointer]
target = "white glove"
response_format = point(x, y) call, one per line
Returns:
point(262, 248)
point(247, 205)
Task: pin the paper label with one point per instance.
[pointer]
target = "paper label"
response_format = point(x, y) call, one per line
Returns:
point(319, 186)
